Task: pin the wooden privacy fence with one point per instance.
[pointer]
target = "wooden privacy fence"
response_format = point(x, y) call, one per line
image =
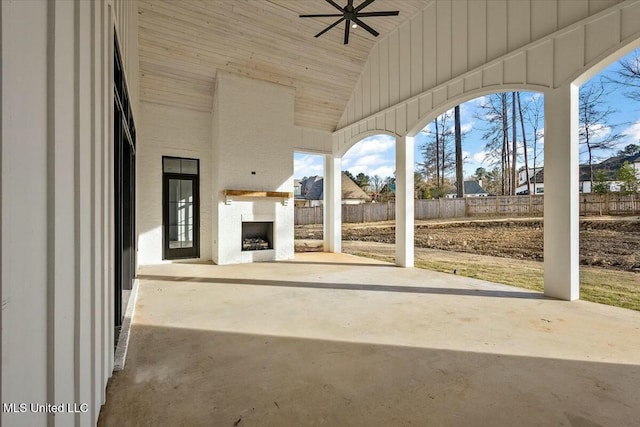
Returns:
point(609, 204)
point(590, 204)
point(505, 205)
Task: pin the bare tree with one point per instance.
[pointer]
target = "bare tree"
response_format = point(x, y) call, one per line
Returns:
point(494, 112)
point(375, 184)
point(535, 117)
point(628, 75)
point(524, 145)
point(437, 155)
point(596, 133)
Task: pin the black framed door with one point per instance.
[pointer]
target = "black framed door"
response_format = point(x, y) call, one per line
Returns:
point(181, 208)
point(124, 163)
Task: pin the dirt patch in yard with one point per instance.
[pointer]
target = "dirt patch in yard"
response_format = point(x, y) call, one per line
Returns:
point(612, 243)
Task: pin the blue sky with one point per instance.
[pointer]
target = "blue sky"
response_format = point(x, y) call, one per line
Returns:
point(376, 155)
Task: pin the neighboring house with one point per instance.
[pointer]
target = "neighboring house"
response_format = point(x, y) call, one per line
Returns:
point(533, 179)
point(297, 188)
point(471, 189)
point(387, 193)
point(610, 166)
point(312, 192)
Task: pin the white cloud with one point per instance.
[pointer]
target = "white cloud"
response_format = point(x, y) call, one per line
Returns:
point(633, 133)
point(372, 165)
point(382, 171)
point(467, 127)
point(371, 145)
point(600, 131)
point(371, 156)
point(480, 156)
point(372, 160)
point(307, 165)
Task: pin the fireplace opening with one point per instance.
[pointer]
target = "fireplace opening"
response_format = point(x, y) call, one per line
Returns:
point(257, 236)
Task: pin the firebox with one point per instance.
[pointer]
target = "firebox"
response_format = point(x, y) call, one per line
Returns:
point(257, 235)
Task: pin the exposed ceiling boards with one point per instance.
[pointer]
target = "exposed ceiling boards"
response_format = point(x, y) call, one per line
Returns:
point(183, 43)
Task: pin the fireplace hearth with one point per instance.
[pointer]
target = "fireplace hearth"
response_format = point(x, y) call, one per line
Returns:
point(257, 235)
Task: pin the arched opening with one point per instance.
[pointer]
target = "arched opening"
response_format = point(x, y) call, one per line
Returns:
point(368, 225)
point(496, 217)
point(367, 187)
point(482, 247)
point(609, 180)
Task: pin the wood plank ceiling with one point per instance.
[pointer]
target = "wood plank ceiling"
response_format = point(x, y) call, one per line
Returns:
point(183, 43)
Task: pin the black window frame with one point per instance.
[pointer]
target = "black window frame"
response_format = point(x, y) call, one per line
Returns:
point(124, 181)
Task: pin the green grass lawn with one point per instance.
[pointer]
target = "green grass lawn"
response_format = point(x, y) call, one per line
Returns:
point(611, 287)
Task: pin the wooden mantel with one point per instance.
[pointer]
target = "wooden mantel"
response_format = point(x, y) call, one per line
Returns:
point(284, 196)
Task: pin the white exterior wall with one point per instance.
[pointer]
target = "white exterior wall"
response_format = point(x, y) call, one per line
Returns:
point(178, 132)
point(56, 259)
point(253, 131)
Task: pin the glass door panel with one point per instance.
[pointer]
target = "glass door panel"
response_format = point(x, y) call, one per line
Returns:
point(180, 215)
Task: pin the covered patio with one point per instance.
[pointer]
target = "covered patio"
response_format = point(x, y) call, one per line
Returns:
point(139, 134)
point(333, 339)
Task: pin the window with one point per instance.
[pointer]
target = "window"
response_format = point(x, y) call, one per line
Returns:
point(180, 182)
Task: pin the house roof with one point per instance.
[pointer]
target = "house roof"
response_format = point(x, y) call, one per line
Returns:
point(312, 189)
point(610, 166)
point(473, 187)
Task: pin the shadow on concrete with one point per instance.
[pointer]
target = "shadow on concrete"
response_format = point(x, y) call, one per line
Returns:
point(349, 286)
point(177, 376)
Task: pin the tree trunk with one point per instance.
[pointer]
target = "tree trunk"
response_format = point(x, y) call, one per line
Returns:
point(505, 144)
point(443, 153)
point(459, 173)
point(437, 153)
point(590, 170)
point(535, 159)
point(524, 145)
point(526, 155)
point(514, 154)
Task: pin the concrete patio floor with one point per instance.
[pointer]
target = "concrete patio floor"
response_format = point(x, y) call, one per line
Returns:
point(336, 340)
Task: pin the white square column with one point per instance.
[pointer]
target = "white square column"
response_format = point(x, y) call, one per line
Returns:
point(561, 202)
point(404, 202)
point(332, 206)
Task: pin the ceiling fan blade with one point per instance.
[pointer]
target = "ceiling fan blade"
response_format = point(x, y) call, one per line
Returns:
point(336, 5)
point(369, 14)
point(334, 15)
point(346, 32)
point(366, 27)
point(363, 5)
point(330, 27)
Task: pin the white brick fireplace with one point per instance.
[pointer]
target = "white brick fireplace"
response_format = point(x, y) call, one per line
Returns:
point(253, 134)
point(245, 143)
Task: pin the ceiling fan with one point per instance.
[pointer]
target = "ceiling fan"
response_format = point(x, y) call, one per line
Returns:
point(350, 13)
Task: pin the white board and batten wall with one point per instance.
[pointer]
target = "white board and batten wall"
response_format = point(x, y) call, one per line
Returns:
point(454, 51)
point(56, 260)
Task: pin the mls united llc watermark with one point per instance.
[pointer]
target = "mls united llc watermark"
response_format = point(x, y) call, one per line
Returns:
point(35, 408)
